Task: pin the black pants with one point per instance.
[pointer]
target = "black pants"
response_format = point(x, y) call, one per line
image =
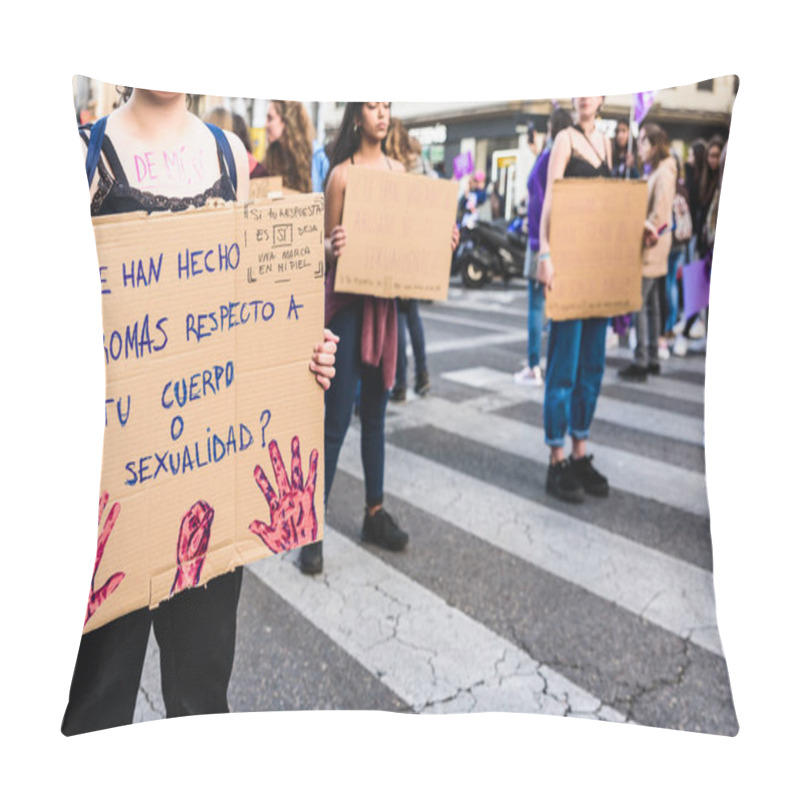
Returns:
point(196, 635)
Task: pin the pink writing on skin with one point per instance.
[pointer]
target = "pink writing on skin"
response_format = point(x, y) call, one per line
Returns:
point(144, 167)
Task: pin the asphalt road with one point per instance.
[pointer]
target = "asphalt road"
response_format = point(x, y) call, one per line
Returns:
point(506, 599)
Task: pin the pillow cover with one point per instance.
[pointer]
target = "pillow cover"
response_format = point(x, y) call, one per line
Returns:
point(508, 598)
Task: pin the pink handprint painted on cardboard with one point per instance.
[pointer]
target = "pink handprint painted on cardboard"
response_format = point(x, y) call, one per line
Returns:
point(192, 545)
point(293, 518)
point(97, 597)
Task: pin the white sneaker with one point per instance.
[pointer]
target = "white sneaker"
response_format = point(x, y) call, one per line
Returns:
point(663, 351)
point(680, 347)
point(612, 339)
point(529, 376)
point(698, 330)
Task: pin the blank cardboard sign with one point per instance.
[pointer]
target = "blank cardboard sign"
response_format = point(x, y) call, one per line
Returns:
point(596, 231)
point(213, 439)
point(399, 227)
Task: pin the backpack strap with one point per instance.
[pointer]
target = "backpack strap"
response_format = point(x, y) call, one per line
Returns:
point(225, 146)
point(95, 143)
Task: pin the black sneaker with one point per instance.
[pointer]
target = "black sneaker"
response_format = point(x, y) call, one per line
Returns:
point(423, 384)
point(382, 530)
point(589, 478)
point(562, 483)
point(654, 369)
point(633, 372)
point(398, 394)
point(311, 558)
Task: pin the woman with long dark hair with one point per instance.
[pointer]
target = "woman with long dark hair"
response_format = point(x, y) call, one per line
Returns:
point(367, 330)
point(623, 159)
point(196, 628)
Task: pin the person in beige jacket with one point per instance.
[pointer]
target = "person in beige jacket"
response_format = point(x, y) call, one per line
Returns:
point(654, 151)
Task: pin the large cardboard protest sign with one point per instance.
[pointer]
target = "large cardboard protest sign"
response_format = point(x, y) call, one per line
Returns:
point(596, 231)
point(399, 229)
point(214, 424)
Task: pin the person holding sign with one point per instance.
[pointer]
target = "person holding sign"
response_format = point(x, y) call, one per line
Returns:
point(163, 158)
point(575, 348)
point(367, 330)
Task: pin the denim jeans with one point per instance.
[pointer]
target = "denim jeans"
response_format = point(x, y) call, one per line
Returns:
point(676, 258)
point(576, 357)
point(414, 322)
point(535, 309)
point(339, 401)
point(648, 324)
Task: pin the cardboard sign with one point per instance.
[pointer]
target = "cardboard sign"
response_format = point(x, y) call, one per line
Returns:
point(596, 234)
point(264, 187)
point(213, 446)
point(399, 229)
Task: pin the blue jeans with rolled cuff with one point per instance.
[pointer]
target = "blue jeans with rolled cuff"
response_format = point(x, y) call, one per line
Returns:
point(576, 357)
point(339, 399)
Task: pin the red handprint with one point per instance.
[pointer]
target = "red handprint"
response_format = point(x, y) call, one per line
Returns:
point(192, 545)
point(293, 519)
point(97, 597)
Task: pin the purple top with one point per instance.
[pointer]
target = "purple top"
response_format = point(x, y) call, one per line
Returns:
point(537, 184)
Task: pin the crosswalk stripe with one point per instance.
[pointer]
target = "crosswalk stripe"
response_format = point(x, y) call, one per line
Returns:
point(430, 654)
point(470, 322)
point(642, 476)
point(620, 412)
point(666, 591)
point(464, 343)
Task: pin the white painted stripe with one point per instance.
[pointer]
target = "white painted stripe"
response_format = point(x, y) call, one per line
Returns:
point(629, 415)
point(463, 343)
point(489, 302)
point(453, 319)
point(433, 656)
point(666, 591)
point(639, 475)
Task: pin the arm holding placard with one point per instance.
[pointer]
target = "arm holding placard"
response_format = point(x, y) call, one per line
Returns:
point(559, 158)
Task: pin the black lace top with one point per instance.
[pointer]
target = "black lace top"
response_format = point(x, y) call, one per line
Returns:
point(115, 195)
point(579, 167)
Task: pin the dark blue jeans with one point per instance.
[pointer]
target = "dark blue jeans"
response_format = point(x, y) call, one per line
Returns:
point(339, 399)
point(414, 322)
point(576, 357)
point(535, 322)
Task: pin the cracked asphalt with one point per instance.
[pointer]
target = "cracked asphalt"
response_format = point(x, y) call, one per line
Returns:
point(620, 626)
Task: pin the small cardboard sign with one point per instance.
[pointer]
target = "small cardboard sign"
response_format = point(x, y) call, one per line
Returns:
point(596, 234)
point(264, 187)
point(213, 445)
point(399, 229)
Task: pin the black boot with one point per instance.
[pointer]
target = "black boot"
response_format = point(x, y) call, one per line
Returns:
point(311, 558)
point(382, 530)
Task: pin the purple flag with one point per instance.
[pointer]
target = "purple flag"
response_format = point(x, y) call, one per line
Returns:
point(696, 285)
point(642, 102)
point(462, 165)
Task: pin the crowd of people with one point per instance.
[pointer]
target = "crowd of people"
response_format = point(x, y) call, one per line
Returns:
point(361, 357)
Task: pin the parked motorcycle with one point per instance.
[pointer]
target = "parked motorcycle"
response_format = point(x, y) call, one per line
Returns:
point(489, 249)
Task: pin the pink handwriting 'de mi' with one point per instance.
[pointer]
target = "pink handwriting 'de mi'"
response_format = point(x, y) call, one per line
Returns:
point(177, 166)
